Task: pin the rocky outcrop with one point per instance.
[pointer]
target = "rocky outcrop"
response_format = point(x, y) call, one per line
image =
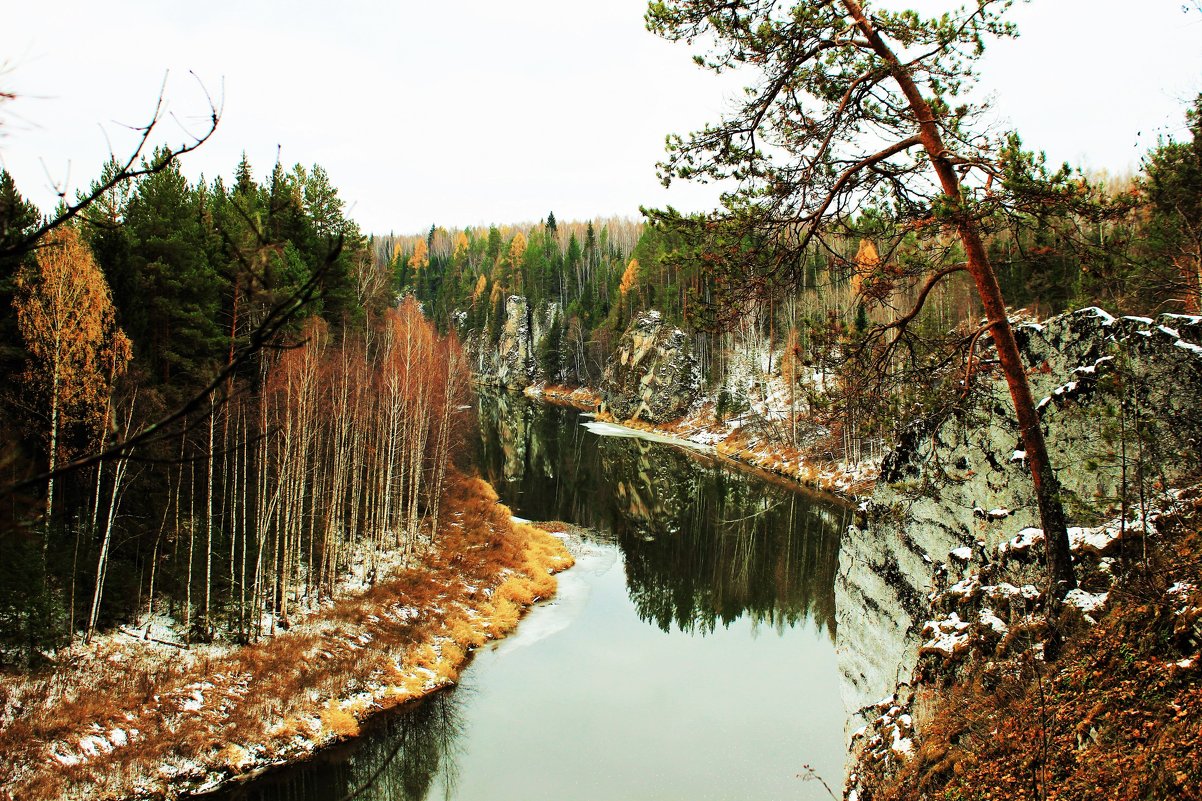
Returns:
point(509, 357)
point(1120, 399)
point(653, 375)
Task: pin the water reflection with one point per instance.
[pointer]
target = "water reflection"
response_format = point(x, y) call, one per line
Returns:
point(619, 700)
point(704, 543)
point(401, 757)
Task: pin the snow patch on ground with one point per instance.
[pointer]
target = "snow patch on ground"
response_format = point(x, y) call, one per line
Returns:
point(1086, 601)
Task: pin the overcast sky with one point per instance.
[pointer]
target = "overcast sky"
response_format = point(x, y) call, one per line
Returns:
point(460, 113)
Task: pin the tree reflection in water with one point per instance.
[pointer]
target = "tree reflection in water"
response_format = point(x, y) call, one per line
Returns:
point(704, 543)
point(401, 757)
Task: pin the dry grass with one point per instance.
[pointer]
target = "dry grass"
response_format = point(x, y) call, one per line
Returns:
point(810, 468)
point(338, 722)
point(1116, 716)
point(197, 717)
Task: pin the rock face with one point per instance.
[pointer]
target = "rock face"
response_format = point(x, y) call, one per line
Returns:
point(653, 375)
point(1110, 391)
point(512, 360)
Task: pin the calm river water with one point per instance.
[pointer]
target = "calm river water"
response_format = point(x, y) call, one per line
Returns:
point(688, 655)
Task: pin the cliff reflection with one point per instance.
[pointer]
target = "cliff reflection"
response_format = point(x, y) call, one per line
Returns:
point(703, 542)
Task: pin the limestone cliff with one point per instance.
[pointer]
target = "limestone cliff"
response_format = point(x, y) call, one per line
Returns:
point(653, 375)
point(509, 356)
point(1113, 393)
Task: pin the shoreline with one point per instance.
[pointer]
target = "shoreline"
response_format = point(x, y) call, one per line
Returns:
point(128, 725)
point(728, 440)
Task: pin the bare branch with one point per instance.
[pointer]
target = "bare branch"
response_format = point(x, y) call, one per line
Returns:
point(127, 170)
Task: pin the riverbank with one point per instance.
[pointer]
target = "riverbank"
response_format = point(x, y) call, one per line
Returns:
point(1103, 698)
point(128, 717)
point(742, 438)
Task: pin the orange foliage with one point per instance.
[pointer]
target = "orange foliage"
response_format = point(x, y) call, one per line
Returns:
point(65, 314)
point(481, 285)
point(629, 278)
point(421, 255)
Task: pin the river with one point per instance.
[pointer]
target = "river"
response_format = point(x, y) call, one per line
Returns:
point(690, 654)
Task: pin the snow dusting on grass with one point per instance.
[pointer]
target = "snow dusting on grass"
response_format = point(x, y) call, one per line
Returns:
point(128, 715)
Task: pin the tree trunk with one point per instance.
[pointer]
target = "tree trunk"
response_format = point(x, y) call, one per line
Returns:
point(1061, 575)
point(208, 623)
point(102, 560)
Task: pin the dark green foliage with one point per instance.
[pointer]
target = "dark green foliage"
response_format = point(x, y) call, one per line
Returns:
point(550, 360)
point(1174, 191)
point(192, 269)
point(18, 218)
point(172, 314)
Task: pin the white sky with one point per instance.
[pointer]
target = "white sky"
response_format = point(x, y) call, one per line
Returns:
point(464, 112)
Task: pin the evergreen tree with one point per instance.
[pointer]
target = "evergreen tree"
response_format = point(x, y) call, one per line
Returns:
point(180, 289)
point(18, 218)
point(1174, 188)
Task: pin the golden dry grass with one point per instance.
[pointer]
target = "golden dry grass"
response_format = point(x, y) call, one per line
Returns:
point(338, 722)
point(312, 683)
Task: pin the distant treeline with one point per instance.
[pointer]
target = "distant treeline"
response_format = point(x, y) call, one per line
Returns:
point(1135, 247)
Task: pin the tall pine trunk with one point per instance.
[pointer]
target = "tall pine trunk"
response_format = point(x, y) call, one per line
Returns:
point(1061, 575)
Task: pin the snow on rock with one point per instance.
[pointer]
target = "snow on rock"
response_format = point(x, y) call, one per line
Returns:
point(986, 617)
point(1022, 542)
point(1093, 540)
point(1065, 389)
point(1093, 368)
point(964, 554)
point(1190, 346)
point(1172, 332)
point(965, 588)
point(948, 636)
point(891, 737)
point(1006, 591)
point(1001, 590)
point(1086, 601)
point(1106, 318)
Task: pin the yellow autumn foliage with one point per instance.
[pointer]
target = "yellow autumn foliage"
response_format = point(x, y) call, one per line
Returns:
point(421, 255)
point(629, 278)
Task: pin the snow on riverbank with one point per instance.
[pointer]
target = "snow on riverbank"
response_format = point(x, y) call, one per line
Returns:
point(747, 438)
point(140, 718)
point(606, 429)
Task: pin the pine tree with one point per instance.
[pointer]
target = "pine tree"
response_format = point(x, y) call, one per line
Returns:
point(178, 285)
